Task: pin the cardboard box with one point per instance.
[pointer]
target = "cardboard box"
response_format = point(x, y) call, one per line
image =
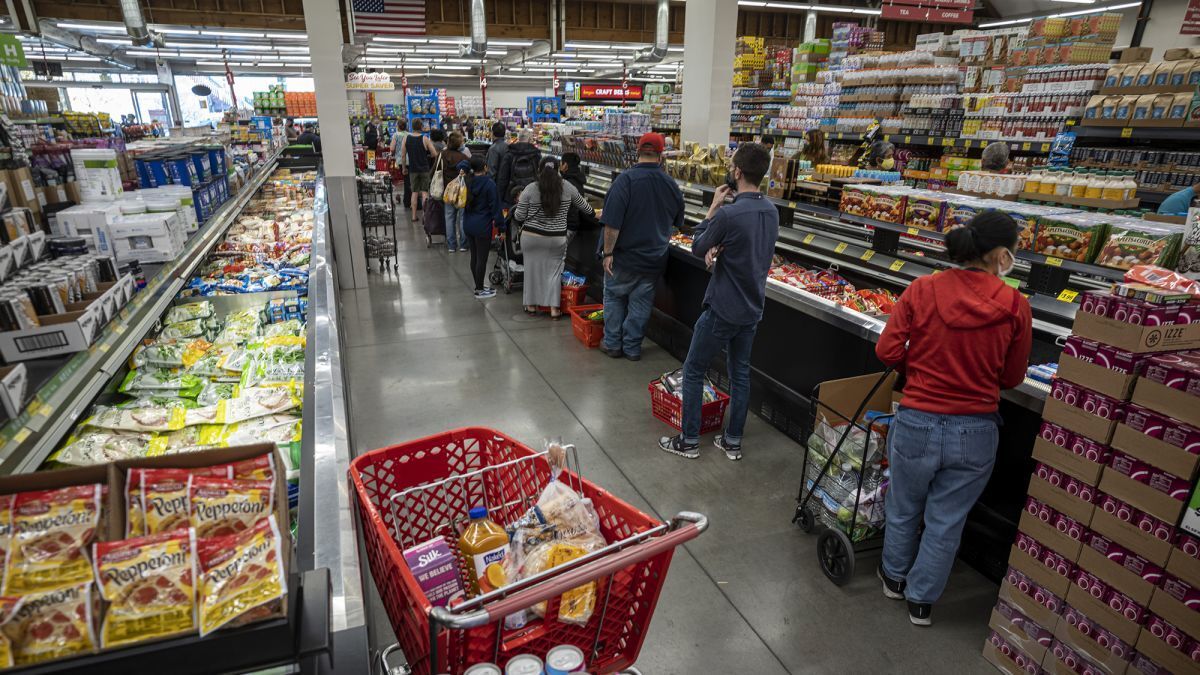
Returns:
point(1101, 656)
point(1017, 636)
point(65, 333)
point(1060, 501)
point(1031, 608)
point(1128, 535)
point(148, 237)
point(1181, 405)
point(1076, 419)
point(1002, 663)
point(108, 528)
point(1138, 339)
point(1183, 617)
point(1116, 575)
point(1141, 496)
point(1184, 566)
point(1097, 378)
point(12, 388)
point(1154, 451)
point(1163, 654)
point(1048, 536)
point(1039, 573)
point(1135, 54)
point(1066, 461)
point(73, 194)
point(1104, 615)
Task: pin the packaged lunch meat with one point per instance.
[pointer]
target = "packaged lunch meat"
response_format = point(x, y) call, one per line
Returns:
point(6, 527)
point(164, 499)
point(239, 573)
point(52, 624)
point(149, 583)
point(255, 468)
point(222, 506)
point(135, 516)
point(8, 606)
point(52, 531)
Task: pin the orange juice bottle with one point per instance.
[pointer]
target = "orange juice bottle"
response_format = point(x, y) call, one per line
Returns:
point(483, 543)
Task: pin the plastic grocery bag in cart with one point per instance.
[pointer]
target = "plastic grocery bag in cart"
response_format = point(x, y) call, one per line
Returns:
point(422, 490)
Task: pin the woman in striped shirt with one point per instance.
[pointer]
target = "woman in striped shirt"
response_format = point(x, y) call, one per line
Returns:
point(542, 212)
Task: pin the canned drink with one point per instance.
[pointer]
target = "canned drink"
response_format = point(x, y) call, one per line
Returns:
point(564, 659)
point(1032, 506)
point(483, 669)
point(1086, 492)
point(1190, 545)
point(1055, 479)
point(1043, 471)
point(995, 639)
point(1194, 650)
point(1045, 513)
point(523, 664)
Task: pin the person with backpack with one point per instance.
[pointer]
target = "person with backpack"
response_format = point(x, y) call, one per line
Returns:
point(416, 159)
point(498, 149)
point(520, 167)
point(449, 160)
point(480, 216)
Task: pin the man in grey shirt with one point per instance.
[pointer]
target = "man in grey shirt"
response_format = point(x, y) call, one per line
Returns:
point(737, 242)
point(496, 153)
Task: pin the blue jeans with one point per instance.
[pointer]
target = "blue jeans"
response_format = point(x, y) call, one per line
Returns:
point(628, 299)
point(940, 465)
point(455, 239)
point(710, 335)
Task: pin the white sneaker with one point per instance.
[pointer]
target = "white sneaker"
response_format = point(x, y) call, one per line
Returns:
point(485, 294)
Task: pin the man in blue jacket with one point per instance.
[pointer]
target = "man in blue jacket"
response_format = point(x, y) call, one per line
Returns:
point(737, 242)
point(1179, 203)
point(642, 207)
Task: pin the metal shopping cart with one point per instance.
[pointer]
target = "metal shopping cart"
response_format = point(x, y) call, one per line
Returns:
point(844, 476)
point(410, 493)
point(378, 216)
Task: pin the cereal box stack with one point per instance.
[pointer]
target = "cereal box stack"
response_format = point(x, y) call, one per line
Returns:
point(1101, 573)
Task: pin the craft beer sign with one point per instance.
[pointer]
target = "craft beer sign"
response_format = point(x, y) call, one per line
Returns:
point(610, 92)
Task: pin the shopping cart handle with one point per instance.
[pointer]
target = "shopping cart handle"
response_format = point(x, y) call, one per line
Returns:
point(679, 533)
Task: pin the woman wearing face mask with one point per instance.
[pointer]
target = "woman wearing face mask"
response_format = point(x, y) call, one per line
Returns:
point(881, 155)
point(959, 337)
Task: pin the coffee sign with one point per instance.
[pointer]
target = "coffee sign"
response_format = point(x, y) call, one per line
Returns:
point(369, 81)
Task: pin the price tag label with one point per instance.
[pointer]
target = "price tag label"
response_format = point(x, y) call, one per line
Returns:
point(840, 247)
point(808, 238)
point(896, 265)
point(967, 143)
point(1045, 147)
point(21, 435)
point(1070, 123)
point(45, 410)
point(907, 140)
point(947, 142)
point(119, 328)
point(887, 137)
point(791, 205)
point(1026, 146)
point(912, 231)
point(1053, 262)
point(1068, 295)
point(33, 407)
point(104, 347)
point(867, 255)
point(1126, 132)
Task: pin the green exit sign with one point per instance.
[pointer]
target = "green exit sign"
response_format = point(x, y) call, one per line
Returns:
point(11, 52)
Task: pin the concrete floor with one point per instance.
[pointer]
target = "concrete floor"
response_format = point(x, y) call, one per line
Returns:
point(747, 596)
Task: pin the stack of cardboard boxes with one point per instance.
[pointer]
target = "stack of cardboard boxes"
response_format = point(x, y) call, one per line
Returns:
point(750, 58)
point(1153, 94)
point(1101, 577)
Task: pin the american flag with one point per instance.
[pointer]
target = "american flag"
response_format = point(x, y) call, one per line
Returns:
point(389, 17)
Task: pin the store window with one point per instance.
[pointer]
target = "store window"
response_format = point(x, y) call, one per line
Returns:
point(204, 110)
point(116, 102)
point(152, 106)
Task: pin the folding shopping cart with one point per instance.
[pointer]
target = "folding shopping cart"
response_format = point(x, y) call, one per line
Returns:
point(410, 493)
point(378, 215)
point(844, 477)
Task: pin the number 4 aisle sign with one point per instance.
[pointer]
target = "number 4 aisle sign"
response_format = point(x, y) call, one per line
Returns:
point(11, 52)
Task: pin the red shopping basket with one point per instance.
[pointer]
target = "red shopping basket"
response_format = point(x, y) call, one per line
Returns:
point(669, 409)
point(590, 333)
point(572, 296)
point(413, 492)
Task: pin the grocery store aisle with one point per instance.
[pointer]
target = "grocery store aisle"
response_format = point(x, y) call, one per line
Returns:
point(747, 596)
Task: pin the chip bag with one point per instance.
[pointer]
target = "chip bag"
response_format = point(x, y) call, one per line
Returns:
point(239, 573)
point(222, 506)
point(52, 530)
point(149, 583)
point(164, 499)
point(52, 624)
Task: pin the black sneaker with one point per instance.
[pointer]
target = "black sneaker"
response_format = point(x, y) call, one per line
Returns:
point(732, 452)
point(614, 353)
point(919, 613)
point(634, 357)
point(892, 589)
point(676, 446)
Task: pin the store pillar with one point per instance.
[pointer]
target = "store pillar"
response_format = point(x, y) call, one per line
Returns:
point(337, 149)
point(708, 70)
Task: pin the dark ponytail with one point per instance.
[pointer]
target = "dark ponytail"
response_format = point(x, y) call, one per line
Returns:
point(987, 231)
point(550, 184)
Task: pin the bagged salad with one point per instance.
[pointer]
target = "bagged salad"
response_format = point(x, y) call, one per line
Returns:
point(188, 312)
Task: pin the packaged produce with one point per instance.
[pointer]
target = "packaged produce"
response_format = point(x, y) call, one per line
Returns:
point(211, 364)
point(222, 506)
point(52, 624)
point(159, 382)
point(212, 392)
point(188, 312)
point(278, 429)
point(1137, 242)
point(142, 418)
point(1071, 236)
point(187, 330)
point(168, 354)
point(672, 383)
point(280, 360)
point(255, 402)
point(240, 573)
point(52, 530)
point(483, 543)
point(149, 584)
point(6, 528)
point(100, 446)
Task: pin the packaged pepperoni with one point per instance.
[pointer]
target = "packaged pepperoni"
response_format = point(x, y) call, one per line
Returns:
point(255, 468)
point(149, 583)
point(52, 625)
point(6, 502)
point(8, 606)
point(221, 506)
point(239, 574)
point(135, 517)
point(52, 531)
point(165, 499)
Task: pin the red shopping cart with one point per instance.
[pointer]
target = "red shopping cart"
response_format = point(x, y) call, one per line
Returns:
point(412, 492)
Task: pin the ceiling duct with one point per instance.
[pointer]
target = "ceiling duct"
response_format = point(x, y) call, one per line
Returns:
point(135, 25)
point(85, 44)
point(478, 46)
point(662, 26)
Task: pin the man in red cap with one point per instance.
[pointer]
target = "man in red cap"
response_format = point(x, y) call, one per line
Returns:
point(640, 210)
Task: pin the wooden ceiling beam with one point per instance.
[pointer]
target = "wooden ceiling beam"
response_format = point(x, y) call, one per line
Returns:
point(216, 13)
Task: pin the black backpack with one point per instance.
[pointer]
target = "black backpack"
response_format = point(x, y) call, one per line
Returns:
point(522, 173)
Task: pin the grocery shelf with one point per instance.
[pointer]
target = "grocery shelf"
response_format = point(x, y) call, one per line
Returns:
point(1176, 134)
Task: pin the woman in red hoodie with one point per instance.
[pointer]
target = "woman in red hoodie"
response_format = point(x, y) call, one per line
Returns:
point(959, 337)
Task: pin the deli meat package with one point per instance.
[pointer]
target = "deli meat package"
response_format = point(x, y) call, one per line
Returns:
point(52, 531)
point(51, 625)
point(149, 583)
point(241, 575)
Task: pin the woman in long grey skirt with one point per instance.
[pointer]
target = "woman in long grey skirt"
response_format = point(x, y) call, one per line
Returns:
point(542, 212)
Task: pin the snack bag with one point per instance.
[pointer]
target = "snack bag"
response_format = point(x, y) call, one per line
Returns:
point(240, 573)
point(149, 583)
point(576, 605)
point(165, 499)
point(221, 506)
point(52, 624)
point(52, 530)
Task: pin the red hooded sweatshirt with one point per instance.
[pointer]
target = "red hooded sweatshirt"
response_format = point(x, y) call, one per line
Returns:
point(968, 336)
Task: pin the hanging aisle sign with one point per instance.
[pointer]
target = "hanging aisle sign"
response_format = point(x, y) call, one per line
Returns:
point(369, 81)
point(930, 11)
point(11, 51)
point(609, 92)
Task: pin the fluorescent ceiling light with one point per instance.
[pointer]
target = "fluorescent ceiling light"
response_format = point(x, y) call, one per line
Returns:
point(445, 67)
point(419, 41)
point(435, 50)
point(286, 48)
point(210, 63)
point(388, 50)
point(114, 41)
point(227, 33)
point(1077, 2)
point(288, 36)
point(101, 28)
point(188, 45)
point(748, 3)
point(83, 58)
point(177, 31)
point(585, 45)
point(255, 48)
point(1010, 22)
point(674, 49)
point(832, 9)
point(873, 12)
point(627, 48)
point(511, 43)
point(1094, 10)
point(448, 41)
point(145, 52)
point(785, 5)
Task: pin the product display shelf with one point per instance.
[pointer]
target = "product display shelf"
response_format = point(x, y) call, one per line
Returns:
point(1174, 134)
point(62, 388)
